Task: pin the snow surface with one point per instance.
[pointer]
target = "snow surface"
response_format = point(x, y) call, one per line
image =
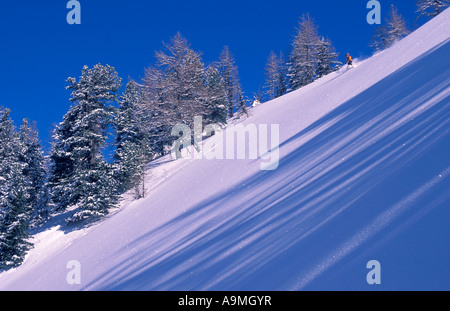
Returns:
point(364, 175)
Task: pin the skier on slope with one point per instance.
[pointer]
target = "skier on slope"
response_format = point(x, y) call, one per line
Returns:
point(349, 61)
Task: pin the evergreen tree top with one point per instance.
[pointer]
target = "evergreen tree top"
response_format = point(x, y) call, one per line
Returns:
point(99, 84)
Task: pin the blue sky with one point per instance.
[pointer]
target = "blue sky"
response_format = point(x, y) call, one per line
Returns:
point(39, 50)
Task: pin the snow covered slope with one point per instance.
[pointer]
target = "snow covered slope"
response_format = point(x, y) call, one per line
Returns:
point(364, 174)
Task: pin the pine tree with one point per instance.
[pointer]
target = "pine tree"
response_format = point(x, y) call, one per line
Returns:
point(183, 87)
point(216, 107)
point(130, 166)
point(9, 149)
point(431, 8)
point(303, 58)
point(63, 164)
point(326, 58)
point(394, 30)
point(175, 91)
point(275, 85)
point(379, 39)
point(15, 209)
point(273, 73)
point(129, 122)
point(160, 116)
point(34, 171)
point(396, 26)
point(229, 72)
point(281, 88)
point(15, 220)
point(132, 141)
point(98, 192)
point(79, 175)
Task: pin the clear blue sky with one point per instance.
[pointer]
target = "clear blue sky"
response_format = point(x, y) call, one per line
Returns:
point(39, 50)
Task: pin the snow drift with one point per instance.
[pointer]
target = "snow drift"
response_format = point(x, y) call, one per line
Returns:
point(364, 174)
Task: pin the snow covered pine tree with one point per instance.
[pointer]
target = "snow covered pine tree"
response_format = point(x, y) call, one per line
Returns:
point(230, 75)
point(15, 208)
point(326, 58)
point(80, 176)
point(275, 85)
point(175, 92)
point(393, 30)
point(431, 8)
point(216, 106)
point(303, 58)
point(34, 171)
point(132, 141)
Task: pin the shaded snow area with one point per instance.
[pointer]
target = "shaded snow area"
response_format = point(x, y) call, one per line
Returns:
point(364, 174)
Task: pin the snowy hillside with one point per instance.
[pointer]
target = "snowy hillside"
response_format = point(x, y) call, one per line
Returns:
point(364, 174)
